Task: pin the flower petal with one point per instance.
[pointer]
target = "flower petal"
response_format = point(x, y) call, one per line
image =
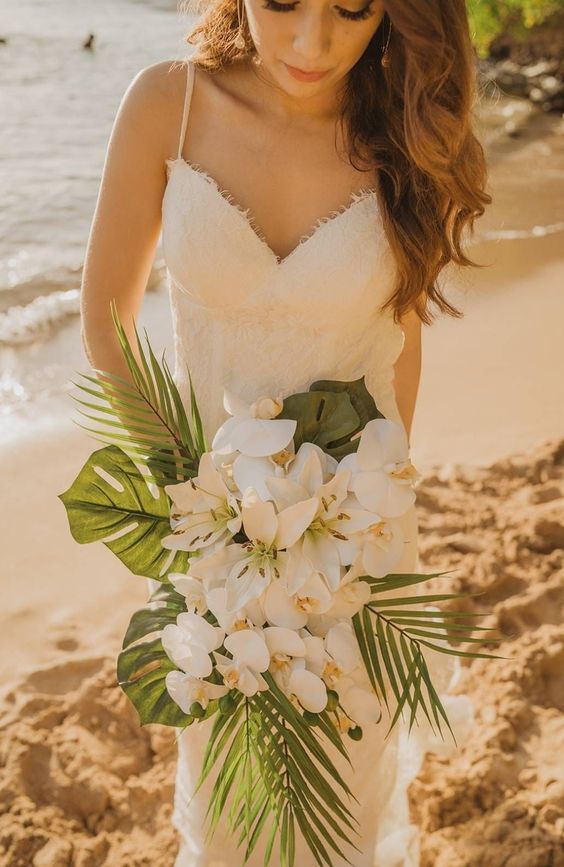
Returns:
point(251, 473)
point(341, 644)
point(309, 688)
point(280, 640)
point(222, 442)
point(260, 521)
point(249, 649)
point(381, 494)
point(382, 440)
point(294, 521)
point(260, 437)
point(281, 609)
point(323, 555)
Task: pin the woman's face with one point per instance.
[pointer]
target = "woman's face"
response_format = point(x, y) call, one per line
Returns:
point(311, 35)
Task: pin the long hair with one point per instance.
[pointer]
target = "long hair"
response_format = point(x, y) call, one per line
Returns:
point(413, 118)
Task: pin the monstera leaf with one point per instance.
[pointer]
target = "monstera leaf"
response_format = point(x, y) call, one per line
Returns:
point(330, 414)
point(110, 495)
point(143, 665)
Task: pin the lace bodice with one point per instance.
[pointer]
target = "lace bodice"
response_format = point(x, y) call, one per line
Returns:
point(246, 320)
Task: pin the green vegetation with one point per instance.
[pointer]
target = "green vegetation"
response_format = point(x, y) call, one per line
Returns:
point(489, 18)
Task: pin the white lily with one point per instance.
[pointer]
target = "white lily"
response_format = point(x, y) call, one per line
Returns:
point(382, 473)
point(189, 642)
point(205, 511)
point(292, 610)
point(251, 567)
point(184, 689)
point(253, 429)
point(250, 658)
point(330, 540)
point(288, 666)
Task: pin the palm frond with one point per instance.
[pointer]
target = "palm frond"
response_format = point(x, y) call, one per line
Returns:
point(391, 634)
point(148, 411)
point(275, 773)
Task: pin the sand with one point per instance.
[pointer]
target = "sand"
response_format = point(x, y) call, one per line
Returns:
point(83, 784)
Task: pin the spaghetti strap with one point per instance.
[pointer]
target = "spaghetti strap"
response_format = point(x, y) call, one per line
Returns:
point(187, 100)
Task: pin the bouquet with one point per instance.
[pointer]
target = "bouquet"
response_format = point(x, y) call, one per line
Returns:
point(280, 615)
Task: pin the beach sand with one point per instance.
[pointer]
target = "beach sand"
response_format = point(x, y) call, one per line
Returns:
point(83, 785)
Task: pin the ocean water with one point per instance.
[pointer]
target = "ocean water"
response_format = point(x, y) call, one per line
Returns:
point(58, 102)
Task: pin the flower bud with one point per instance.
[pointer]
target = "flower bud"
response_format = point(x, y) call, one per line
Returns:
point(266, 407)
point(355, 733)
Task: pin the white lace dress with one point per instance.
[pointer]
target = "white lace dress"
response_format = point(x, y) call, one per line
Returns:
point(246, 320)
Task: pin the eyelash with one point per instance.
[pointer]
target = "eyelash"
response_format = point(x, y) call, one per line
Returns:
point(345, 13)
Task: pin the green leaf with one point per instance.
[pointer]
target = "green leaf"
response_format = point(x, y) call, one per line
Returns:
point(330, 414)
point(141, 672)
point(148, 620)
point(97, 511)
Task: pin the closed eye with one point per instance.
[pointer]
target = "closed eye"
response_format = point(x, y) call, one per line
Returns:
point(361, 15)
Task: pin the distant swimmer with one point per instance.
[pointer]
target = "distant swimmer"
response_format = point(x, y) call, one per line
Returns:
point(89, 43)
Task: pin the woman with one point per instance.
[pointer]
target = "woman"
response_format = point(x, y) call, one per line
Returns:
point(313, 170)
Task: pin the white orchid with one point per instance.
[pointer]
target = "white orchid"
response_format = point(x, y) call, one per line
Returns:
point(251, 567)
point(382, 473)
point(193, 591)
point(292, 610)
point(359, 706)
point(189, 642)
point(298, 467)
point(288, 667)
point(382, 547)
point(253, 429)
point(351, 594)
point(330, 540)
point(248, 617)
point(250, 658)
point(184, 689)
point(334, 655)
point(336, 660)
point(204, 510)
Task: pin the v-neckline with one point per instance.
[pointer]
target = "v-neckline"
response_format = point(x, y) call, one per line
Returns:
point(248, 220)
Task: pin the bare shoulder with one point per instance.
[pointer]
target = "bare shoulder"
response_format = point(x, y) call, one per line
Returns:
point(151, 107)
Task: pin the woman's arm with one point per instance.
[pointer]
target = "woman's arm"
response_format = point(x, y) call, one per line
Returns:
point(127, 219)
point(407, 369)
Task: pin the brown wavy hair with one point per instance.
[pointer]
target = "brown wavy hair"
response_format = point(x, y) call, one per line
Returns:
point(413, 119)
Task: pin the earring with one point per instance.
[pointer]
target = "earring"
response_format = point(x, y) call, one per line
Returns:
point(386, 59)
point(239, 41)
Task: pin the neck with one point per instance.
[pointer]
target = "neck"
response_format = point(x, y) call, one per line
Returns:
point(319, 108)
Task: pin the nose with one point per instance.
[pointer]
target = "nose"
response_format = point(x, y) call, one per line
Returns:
point(312, 41)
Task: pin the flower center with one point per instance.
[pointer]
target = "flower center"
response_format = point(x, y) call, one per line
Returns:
point(231, 677)
point(332, 671)
point(241, 623)
point(381, 530)
point(306, 603)
point(403, 471)
point(280, 661)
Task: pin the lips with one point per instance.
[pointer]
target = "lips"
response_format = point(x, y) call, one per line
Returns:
point(303, 75)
